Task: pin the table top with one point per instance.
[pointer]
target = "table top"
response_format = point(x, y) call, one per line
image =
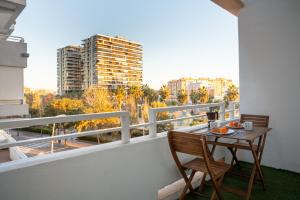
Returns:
point(241, 134)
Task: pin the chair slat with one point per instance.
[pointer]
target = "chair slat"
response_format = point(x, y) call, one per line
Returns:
point(258, 120)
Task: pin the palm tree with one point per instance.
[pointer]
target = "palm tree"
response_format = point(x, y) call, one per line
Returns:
point(164, 92)
point(194, 96)
point(232, 93)
point(203, 95)
point(136, 92)
point(149, 94)
point(120, 94)
point(182, 97)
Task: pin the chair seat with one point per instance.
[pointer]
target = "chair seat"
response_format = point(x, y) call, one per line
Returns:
point(198, 164)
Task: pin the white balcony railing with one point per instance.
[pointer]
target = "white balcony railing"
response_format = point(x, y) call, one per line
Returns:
point(11, 38)
point(124, 118)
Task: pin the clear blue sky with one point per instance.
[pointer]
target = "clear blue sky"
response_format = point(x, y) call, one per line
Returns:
point(181, 38)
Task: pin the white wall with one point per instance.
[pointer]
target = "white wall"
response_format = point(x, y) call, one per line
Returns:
point(113, 171)
point(269, 42)
point(128, 172)
point(10, 53)
point(11, 83)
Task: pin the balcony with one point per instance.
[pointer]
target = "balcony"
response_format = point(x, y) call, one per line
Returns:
point(142, 168)
point(107, 164)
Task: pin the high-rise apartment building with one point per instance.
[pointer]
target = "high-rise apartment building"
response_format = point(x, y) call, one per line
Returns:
point(216, 87)
point(69, 70)
point(111, 61)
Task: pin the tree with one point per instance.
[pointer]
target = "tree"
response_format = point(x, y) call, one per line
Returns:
point(182, 97)
point(136, 92)
point(120, 95)
point(232, 93)
point(203, 95)
point(65, 106)
point(150, 94)
point(164, 92)
point(194, 96)
point(97, 100)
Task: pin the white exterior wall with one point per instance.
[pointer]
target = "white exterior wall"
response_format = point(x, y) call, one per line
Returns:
point(10, 53)
point(11, 83)
point(134, 171)
point(269, 43)
point(12, 64)
point(113, 171)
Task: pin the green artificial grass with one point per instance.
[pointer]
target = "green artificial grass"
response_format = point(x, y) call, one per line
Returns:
point(280, 184)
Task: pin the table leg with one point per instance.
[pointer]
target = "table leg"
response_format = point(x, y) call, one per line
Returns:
point(257, 163)
point(251, 181)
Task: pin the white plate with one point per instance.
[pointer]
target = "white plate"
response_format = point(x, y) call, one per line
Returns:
point(230, 131)
point(234, 127)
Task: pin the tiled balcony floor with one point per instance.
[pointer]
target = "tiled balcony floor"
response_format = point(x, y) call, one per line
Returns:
point(281, 185)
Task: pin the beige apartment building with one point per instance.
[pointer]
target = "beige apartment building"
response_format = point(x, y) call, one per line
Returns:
point(111, 61)
point(69, 70)
point(216, 87)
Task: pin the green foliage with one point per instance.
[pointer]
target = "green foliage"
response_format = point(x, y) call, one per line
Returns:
point(172, 103)
point(164, 93)
point(232, 93)
point(150, 95)
point(203, 95)
point(182, 97)
point(120, 95)
point(136, 92)
point(65, 106)
point(194, 96)
point(97, 100)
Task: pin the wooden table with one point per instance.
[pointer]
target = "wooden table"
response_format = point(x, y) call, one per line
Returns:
point(246, 140)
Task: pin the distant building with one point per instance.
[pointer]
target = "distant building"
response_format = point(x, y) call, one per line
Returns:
point(111, 61)
point(69, 70)
point(220, 86)
point(216, 87)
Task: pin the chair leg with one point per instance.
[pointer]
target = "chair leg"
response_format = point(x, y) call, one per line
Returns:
point(217, 185)
point(188, 184)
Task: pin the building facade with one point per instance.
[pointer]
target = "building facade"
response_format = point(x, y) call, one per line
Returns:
point(216, 87)
point(109, 62)
point(13, 61)
point(69, 70)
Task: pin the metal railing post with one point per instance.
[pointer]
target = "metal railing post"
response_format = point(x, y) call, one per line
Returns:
point(222, 111)
point(231, 110)
point(125, 122)
point(152, 121)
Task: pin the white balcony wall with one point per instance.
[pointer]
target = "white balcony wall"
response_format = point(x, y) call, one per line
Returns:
point(107, 172)
point(11, 83)
point(134, 171)
point(269, 43)
point(12, 64)
point(11, 54)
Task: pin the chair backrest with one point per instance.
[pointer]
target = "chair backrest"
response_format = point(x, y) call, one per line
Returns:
point(258, 120)
point(187, 143)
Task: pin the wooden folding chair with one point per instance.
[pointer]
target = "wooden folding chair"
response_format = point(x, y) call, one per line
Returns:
point(196, 145)
point(258, 121)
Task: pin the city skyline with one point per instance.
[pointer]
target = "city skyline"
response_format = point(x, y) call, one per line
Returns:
point(209, 51)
